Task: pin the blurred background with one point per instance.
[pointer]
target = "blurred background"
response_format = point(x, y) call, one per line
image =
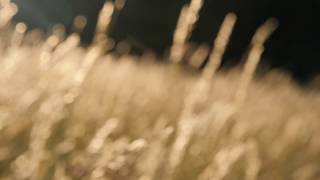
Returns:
point(150, 25)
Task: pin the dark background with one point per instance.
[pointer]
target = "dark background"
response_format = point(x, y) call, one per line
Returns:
point(149, 24)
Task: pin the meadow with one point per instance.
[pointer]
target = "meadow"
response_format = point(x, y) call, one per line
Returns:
point(72, 112)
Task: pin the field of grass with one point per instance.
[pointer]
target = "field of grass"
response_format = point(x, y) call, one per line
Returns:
point(68, 112)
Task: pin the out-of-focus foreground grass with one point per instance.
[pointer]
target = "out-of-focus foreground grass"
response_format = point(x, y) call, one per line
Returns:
point(68, 112)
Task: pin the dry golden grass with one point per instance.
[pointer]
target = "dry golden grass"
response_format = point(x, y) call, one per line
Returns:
point(67, 112)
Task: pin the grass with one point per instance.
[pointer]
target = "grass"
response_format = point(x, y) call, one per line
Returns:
point(68, 112)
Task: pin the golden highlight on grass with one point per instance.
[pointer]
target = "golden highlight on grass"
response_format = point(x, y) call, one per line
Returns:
point(68, 112)
point(188, 17)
